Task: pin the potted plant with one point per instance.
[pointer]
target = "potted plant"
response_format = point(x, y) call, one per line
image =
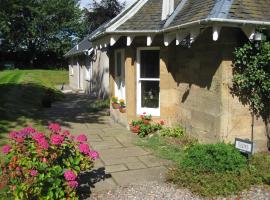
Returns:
point(122, 106)
point(115, 103)
point(146, 118)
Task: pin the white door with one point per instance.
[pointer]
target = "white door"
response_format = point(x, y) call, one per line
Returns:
point(148, 79)
point(120, 84)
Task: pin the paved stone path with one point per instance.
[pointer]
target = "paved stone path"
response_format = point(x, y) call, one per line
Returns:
point(121, 162)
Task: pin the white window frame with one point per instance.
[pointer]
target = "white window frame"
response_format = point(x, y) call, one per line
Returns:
point(140, 110)
point(118, 92)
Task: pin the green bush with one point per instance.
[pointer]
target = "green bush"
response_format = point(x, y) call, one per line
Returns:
point(213, 158)
point(212, 184)
point(172, 132)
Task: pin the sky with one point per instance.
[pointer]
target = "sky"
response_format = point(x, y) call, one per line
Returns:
point(84, 3)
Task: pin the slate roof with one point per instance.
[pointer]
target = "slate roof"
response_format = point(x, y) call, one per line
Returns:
point(149, 16)
point(193, 10)
point(84, 45)
point(250, 10)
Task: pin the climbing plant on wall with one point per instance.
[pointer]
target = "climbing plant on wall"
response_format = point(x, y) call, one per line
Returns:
point(251, 78)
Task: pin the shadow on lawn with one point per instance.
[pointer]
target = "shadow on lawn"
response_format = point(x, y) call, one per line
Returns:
point(88, 180)
point(20, 105)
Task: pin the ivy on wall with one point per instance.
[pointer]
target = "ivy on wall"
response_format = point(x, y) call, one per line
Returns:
point(251, 78)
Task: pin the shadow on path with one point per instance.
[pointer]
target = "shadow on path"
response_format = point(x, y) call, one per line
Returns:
point(87, 180)
point(75, 108)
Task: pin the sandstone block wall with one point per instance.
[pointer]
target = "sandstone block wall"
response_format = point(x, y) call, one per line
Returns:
point(195, 87)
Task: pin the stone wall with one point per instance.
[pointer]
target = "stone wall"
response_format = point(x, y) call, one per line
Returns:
point(195, 88)
point(100, 78)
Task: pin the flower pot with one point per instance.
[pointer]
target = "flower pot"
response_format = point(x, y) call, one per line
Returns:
point(135, 129)
point(146, 121)
point(122, 109)
point(115, 105)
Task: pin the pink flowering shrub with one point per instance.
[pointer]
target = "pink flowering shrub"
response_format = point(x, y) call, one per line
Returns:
point(45, 166)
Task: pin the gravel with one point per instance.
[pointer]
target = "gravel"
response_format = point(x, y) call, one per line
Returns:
point(162, 191)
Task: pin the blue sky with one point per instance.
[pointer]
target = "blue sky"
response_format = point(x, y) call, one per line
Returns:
point(84, 3)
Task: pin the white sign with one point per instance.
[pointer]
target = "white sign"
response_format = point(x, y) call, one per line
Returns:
point(244, 146)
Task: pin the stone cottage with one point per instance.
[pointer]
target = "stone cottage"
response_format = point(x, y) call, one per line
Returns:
point(89, 69)
point(173, 59)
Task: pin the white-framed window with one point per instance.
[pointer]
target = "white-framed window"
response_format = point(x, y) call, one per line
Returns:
point(120, 84)
point(148, 80)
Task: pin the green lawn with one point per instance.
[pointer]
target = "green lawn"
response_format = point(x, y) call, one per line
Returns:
point(21, 92)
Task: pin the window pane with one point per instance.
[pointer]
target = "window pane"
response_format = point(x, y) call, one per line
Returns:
point(150, 94)
point(149, 64)
point(118, 62)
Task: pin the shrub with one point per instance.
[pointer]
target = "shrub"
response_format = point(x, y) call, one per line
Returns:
point(43, 166)
point(213, 158)
point(212, 184)
point(172, 132)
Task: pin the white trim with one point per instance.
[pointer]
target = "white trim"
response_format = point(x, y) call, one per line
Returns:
point(114, 39)
point(180, 36)
point(168, 38)
point(150, 39)
point(139, 109)
point(167, 9)
point(216, 32)
point(127, 16)
point(121, 94)
point(249, 31)
point(129, 40)
point(194, 33)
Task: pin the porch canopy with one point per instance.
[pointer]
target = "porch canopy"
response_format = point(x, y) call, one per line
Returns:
point(178, 20)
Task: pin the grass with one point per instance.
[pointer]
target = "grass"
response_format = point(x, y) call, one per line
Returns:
point(162, 148)
point(21, 93)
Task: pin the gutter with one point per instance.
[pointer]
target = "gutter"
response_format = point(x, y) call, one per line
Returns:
point(185, 25)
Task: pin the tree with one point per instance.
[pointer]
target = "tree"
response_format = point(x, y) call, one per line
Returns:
point(38, 25)
point(101, 12)
point(251, 79)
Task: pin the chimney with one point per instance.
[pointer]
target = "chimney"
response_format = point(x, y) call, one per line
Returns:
point(167, 8)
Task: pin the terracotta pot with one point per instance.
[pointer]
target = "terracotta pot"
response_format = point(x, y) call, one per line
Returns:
point(122, 109)
point(146, 121)
point(115, 105)
point(134, 129)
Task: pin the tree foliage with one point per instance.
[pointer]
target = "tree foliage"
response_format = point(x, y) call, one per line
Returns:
point(38, 25)
point(101, 12)
point(251, 79)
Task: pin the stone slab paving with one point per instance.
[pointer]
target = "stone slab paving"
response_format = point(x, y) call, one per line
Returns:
point(125, 162)
point(121, 162)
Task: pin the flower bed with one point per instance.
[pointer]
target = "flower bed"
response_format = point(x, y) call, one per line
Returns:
point(145, 125)
point(45, 166)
